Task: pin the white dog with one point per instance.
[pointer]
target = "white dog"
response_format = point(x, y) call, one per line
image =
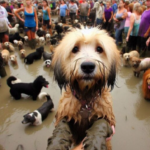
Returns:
point(41, 41)
point(14, 30)
point(127, 57)
point(47, 38)
point(9, 46)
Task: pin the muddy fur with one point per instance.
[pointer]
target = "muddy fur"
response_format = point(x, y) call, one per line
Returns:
point(85, 66)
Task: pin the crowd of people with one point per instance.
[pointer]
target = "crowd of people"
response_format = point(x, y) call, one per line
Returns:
point(128, 22)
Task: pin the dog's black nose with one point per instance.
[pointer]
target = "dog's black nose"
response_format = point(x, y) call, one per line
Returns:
point(87, 67)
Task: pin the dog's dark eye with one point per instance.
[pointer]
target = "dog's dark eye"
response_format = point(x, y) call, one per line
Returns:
point(75, 49)
point(99, 49)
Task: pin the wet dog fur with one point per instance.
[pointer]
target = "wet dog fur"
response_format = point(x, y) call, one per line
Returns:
point(85, 65)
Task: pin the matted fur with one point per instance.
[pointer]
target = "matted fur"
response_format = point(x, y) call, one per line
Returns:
point(69, 75)
point(146, 85)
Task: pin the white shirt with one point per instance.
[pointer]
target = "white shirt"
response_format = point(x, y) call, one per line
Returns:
point(99, 10)
point(3, 19)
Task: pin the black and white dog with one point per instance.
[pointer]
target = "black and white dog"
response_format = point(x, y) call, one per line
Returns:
point(33, 89)
point(47, 63)
point(34, 56)
point(37, 116)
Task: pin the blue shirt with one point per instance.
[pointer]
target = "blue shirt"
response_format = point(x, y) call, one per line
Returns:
point(29, 19)
point(63, 9)
point(114, 7)
point(45, 14)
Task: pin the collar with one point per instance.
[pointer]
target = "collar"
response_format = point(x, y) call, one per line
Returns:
point(85, 104)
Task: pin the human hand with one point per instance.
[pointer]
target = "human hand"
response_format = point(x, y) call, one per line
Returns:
point(36, 28)
point(22, 20)
point(50, 23)
point(127, 38)
point(147, 42)
point(113, 129)
point(10, 25)
point(109, 20)
point(104, 20)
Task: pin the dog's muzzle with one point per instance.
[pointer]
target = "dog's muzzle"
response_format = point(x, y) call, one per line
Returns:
point(88, 67)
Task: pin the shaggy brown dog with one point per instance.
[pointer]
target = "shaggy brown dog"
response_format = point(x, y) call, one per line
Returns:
point(146, 85)
point(85, 65)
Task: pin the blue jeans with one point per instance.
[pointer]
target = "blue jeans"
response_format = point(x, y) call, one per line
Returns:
point(118, 35)
point(99, 21)
point(83, 18)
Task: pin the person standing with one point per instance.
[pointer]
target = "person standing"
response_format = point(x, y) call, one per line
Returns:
point(63, 9)
point(4, 24)
point(144, 25)
point(114, 6)
point(72, 10)
point(84, 11)
point(120, 18)
point(30, 22)
point(46, 16)
point(135, 19)
point(107, 17)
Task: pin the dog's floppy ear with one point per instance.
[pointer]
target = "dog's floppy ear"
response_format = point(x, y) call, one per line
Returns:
point(112, 75)
point(59, 75)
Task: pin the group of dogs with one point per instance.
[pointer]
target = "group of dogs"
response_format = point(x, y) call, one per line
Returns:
point(133, 60)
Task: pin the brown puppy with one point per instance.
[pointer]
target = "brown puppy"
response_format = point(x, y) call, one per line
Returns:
point(5, 56)
point(139, 65)
point(23, 53)
point(9, 46)
point(85, 65)
point(127, 57)
point(13, 59)
point(146, 85)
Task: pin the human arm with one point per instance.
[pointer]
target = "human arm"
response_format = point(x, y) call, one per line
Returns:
point(89, 9)
point(77, 9)
point(17, 15)
point(131, 27)
point(148, 42)
point(114, 17)
point(147, 32)
point(36, 19)
point(111, 16)
point(49, 12)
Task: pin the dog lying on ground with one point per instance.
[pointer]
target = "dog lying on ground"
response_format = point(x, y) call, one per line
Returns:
point(127, 57)
point(33, 89)
point(139, 65)
point(85, 65)
point(36, 117)
point(146, 85)
point(34, 56)
point(5, 55)
point(15, 36)
point(47, 55)
point(41, 41)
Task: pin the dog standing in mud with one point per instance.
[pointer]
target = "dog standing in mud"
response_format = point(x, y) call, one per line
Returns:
point(85, 65)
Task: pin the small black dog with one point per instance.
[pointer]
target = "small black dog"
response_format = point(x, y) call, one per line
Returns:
point(15, 36)
point(41, 33)
point(36, 117)
point(33, 89)
point(34, 56)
